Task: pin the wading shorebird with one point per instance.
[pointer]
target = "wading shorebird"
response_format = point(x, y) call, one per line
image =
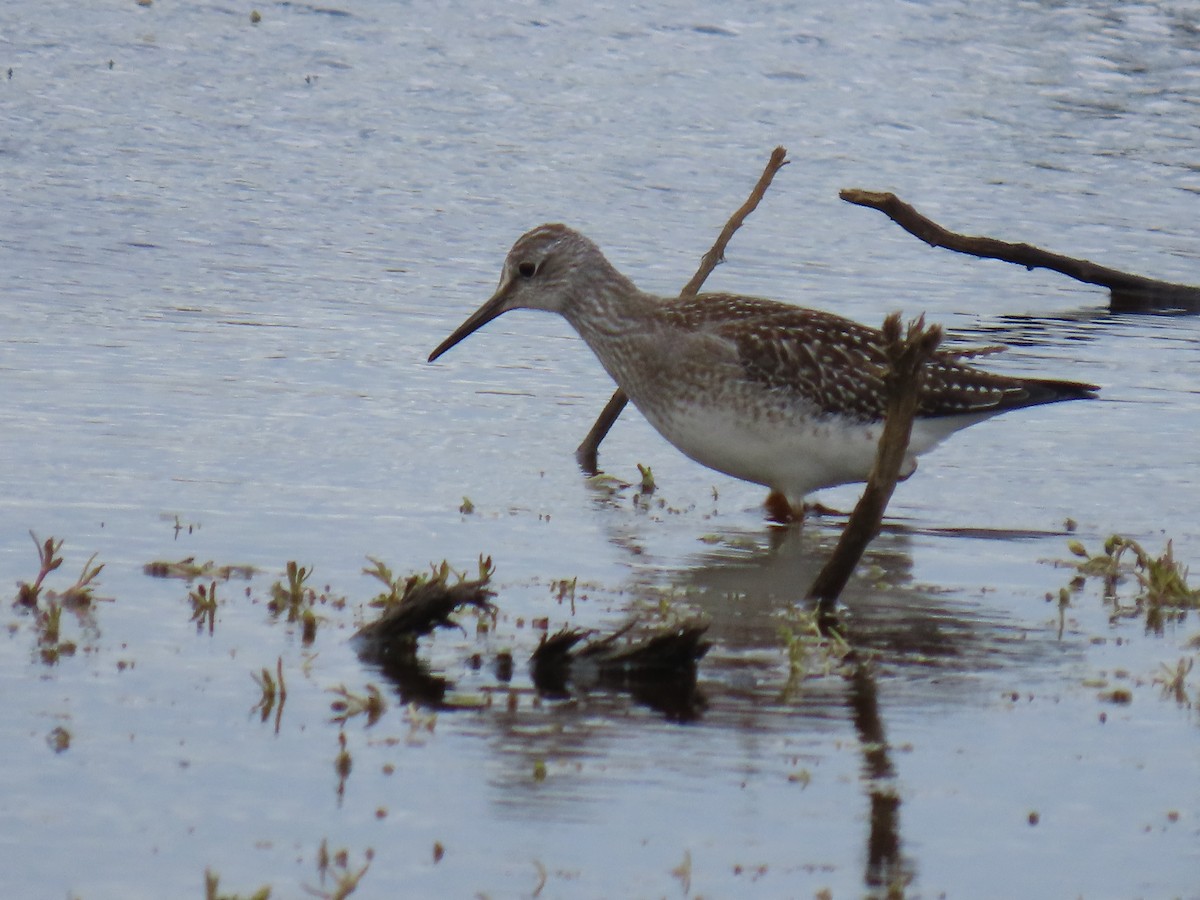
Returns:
point(778, 395)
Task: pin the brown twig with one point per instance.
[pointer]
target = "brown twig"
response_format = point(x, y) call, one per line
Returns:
point(1127, 292)
point(586, 452)
point(906, 357)
point(716, 253)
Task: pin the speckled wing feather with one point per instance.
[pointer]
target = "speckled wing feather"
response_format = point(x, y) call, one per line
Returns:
point(838, 365)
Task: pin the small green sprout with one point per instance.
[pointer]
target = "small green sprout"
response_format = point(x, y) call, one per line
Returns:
point(50, 624)
point(204, 606)
point(1163, 591)
point(27, 594)
point(647, 485)
point(292, 598)
point(212, 884)
point(81, 592)
point(297, 600)
point(273, 688)
point(47, 606)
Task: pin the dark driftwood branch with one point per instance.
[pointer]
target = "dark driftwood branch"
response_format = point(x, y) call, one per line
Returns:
point(422, 609)
point(906, 357)
point(1127, 292)
point(586, 452)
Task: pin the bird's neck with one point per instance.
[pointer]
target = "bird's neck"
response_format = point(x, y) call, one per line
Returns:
point(609, 307)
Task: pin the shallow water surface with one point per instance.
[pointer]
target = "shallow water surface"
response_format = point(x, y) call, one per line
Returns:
point(228, 249)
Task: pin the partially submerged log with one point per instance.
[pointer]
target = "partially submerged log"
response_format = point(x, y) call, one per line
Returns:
point(426, 602)
point(1127, 292)
point(424, 607)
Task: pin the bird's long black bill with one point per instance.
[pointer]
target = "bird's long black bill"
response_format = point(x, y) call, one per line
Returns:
point(475, 321)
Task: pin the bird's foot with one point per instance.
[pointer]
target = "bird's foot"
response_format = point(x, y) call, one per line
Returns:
point(780, 510)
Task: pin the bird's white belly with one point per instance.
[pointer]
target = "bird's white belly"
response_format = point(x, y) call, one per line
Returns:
point(794, 456)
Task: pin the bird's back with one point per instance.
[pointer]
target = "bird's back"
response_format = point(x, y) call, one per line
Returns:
point(838, 365)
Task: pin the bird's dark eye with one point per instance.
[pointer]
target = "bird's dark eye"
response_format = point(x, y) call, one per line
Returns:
point(527, 269)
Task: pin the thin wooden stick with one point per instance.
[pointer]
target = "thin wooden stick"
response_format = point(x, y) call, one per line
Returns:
point(906, 358)
point(1127, 292)
point(716, 253)
point(587, 452)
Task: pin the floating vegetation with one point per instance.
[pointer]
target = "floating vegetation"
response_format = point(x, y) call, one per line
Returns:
point(331, 866)
point(1173, 680)
point(212, 887)
point(1163, 593)
point(189, 570)
point(49, 624)
point(335, 867)
point(47, 606)
point(683, 872)
point(293, 598)
point(813, 650)
point(204, 606)
point(1120, 696)
point(647, 486)
point(59, 739)
point(607, 485)
point(467, 507)
point(79, 594)
point(274, 689)
point(296, 600)
point(348, 705)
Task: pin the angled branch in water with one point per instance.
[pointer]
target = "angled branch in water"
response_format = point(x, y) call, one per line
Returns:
point(1127, 292)
point(906, 359)
point(586, 452)
point(716, 253)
